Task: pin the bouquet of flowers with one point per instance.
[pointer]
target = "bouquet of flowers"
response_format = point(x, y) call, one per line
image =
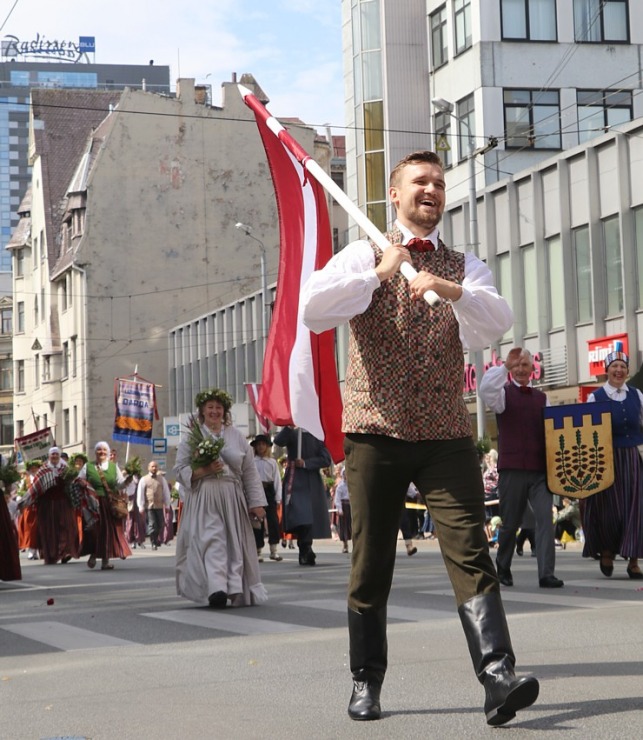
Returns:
point(133, 468)
point(9, 474)
point(203, 449)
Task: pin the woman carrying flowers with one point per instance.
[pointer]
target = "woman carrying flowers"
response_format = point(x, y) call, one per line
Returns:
point(216, 558)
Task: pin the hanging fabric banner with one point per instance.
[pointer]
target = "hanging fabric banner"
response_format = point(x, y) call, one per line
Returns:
point(135, 411)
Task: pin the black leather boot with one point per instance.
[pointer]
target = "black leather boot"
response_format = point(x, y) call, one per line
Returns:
point(368, 661)
point(485, 626)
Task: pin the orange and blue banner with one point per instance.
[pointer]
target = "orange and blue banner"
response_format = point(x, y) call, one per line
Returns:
point(135, 411)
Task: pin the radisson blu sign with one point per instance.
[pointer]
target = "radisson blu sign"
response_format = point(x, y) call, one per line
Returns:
point(41, 48)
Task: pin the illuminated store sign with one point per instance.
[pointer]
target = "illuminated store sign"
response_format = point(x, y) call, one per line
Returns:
point(41, 48)
point(598, 349)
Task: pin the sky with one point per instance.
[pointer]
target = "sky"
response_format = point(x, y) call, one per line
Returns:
point(292, 47)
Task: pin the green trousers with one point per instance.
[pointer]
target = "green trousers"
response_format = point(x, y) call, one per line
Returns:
point(447, 474)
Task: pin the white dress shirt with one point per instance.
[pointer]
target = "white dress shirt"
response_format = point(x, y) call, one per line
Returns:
point(344, 288)
point(492, 388)
point(269, 473)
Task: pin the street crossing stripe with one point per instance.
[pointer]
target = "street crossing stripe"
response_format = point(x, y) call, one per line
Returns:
point(65, 637)
point(403, 613)
point(227, 621)
point(555, 597)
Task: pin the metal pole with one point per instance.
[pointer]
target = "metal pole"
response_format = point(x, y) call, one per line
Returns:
point(473, 238)
point(264, 295)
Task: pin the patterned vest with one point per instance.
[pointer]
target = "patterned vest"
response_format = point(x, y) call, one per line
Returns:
point(521, 430)
point(405, 359)
point(153, 488)
point(626, 431)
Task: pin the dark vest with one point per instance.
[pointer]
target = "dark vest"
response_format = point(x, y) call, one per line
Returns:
point(521, 430)
point(626, 425)
point(405, 359)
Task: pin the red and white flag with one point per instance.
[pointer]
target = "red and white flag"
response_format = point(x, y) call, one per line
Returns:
point(300, 384)
point(254, 391)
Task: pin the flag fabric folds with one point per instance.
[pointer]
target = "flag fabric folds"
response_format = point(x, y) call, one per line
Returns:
point(254, 391)
point(135, 411)
point(300, 384)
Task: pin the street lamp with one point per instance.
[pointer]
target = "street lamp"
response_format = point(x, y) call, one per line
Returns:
point(247, 230)
point(445, 106)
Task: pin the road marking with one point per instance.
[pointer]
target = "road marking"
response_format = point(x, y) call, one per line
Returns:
point(403, 613)
point(65, 637)
point(563, 599)
point(228, 621)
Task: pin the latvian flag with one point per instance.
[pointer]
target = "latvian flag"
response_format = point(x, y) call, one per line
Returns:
point(300, 384)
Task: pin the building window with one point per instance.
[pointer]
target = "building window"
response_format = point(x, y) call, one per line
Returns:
point(19, 264)
point(443, 138)
point(36, 371)
point(583, 266)
point(35, 252)
point(556, 283)
point(6, 315)
point(73, 356)
point(65, 360)
point(598, 110)
point(503, 269)
point(375, 168)
point(601, 21)
point(20, 328)
point(66, 430)
point(20, 428)
point(530, 292)
point(6, 429)
point(529, 20)
point(638, 235)
point(466, 126)
point(6, 374)
point(46, 369)
point(462, 23)
point(36, 314)
point(532, 119)
point(20, 376)
point(68, 290)
point(63, 294)
point(42, 246)
point(613, 265)
point(75, 427)
point(439, 46)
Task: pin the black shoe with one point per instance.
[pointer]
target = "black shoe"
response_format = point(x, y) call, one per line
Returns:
point(308, 558)
point(218, 599)
point(365, 701)
point(507, 695)
point(504, 576)
point(635, 574)
point(518, 550)
point(606, 570)
point(550, 582)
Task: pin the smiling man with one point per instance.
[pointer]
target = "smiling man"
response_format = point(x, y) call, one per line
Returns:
point(406, 422)
point(521, 462)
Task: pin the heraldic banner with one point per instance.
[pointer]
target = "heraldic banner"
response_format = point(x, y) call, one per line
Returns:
point(135, 411)
point(34, 446)
point(578, 441)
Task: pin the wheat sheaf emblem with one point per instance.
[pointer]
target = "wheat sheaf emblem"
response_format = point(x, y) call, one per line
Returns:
point(580, 467)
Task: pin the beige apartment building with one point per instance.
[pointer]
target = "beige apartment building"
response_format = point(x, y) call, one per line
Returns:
point(128, 230)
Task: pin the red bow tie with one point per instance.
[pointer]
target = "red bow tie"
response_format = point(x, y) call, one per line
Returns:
point(525, 388)
point(420, 245)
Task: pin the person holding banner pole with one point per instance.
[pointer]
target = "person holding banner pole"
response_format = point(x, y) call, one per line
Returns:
point(406, 421)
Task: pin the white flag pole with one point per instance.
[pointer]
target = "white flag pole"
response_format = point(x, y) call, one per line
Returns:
point(369, 228)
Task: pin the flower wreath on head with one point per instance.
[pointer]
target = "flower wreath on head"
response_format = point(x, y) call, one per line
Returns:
point(214, 394)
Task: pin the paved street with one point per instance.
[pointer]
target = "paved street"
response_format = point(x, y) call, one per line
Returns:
point(118, 655)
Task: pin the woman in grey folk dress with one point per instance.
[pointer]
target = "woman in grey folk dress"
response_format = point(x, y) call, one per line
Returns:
point(216, 557)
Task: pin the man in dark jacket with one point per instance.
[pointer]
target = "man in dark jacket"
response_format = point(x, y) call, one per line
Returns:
point(304, 496)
